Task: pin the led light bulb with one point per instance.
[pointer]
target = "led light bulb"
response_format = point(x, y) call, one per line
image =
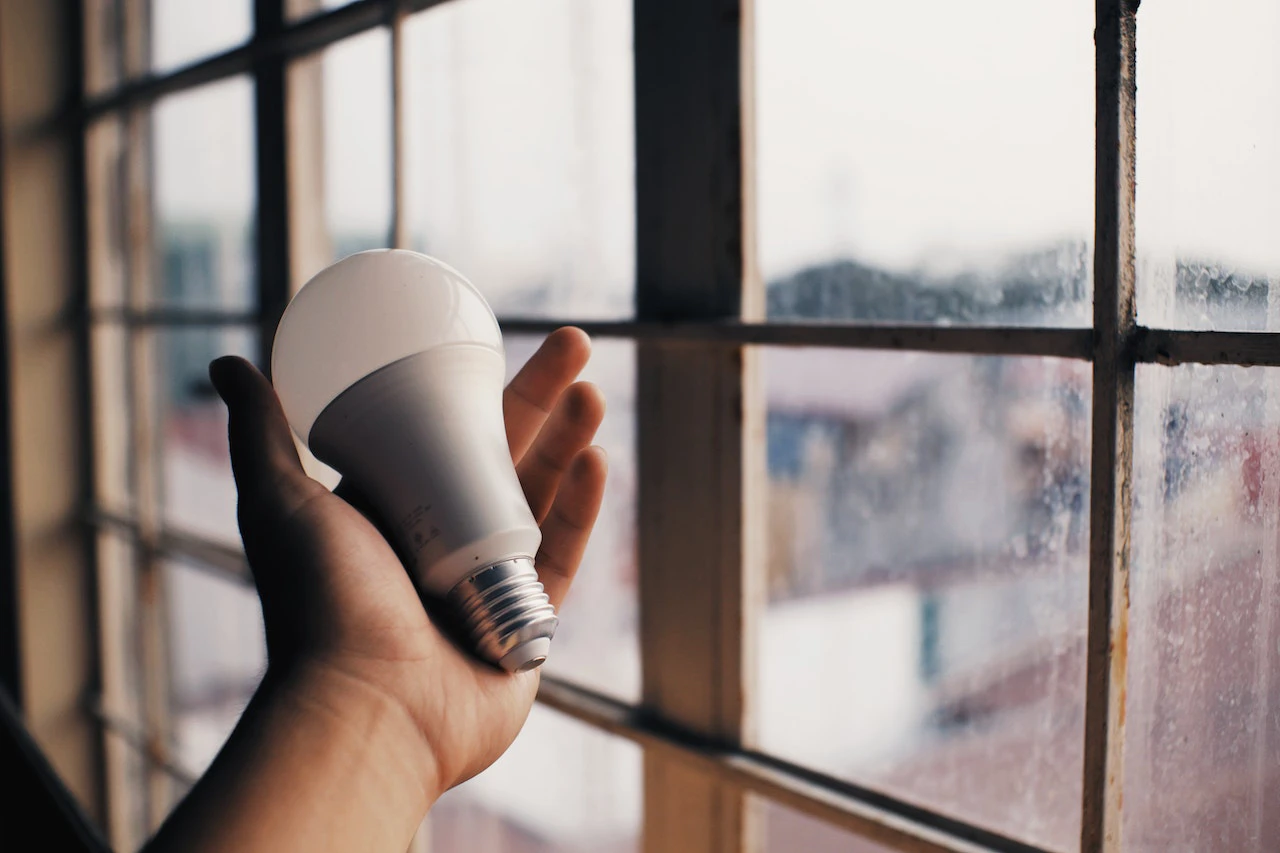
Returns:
point(389, 365)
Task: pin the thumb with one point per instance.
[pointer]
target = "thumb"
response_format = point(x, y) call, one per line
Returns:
point(270, 480)
point(271, 485)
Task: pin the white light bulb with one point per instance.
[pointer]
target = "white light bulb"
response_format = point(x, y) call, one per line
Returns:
point(389, 365)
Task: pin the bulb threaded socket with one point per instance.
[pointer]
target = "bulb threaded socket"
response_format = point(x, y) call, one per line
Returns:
point(506, 614)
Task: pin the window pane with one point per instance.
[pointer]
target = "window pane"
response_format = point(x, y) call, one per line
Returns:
point(342, 100)
point(204, 197)
point(1208, 160)
point(597, 643)
point(787, 830)
point(927, 569)
point(563, 787)
point(184, 31)
point(1202, 762)
point(926, 162)
point(520, 153)
point(198, 493)
point(217, 655)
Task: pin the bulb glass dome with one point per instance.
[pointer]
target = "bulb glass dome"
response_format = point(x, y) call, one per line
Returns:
point(363, 313)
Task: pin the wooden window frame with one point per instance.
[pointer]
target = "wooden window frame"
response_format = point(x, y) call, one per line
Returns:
point(698, 321)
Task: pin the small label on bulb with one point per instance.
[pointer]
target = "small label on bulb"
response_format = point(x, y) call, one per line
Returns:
point(416, 527)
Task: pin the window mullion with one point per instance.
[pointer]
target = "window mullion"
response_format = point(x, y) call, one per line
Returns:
point(271, 139)
point(690, 408)
point(144, 416)
point(399, 213)
point(1113, 396)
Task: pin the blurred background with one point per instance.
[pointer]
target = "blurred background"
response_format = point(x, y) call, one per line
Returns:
point(921, 630)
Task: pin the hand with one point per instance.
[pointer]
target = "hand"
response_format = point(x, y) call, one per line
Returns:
point(342, 615)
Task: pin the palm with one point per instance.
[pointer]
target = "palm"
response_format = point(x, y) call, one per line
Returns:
point(375, 625)
point(334, 591)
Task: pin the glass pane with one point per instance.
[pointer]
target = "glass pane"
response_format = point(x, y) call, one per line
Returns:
point(343, 99)
point(926, 162)
point(184, 31)
point(563, 787)
point(1202, 769)
point(927, 569)
point(786, 830)
point(520, 160)
point(597, 643)
point(204, 197)
point(1208, 201)
point(198, 494)
point(217, 655)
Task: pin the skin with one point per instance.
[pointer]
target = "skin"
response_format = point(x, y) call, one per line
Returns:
point(368, 712)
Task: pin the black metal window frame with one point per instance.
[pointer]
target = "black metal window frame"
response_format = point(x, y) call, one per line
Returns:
point(695, 298)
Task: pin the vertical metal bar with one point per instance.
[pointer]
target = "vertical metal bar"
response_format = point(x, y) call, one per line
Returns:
point(310, 244)
point(107, 403)
point(1113, 389)
point(77, 51)
point(144, 416)
point(399, 214)
point(754, 461)
point(689, 265)
point(272, 177)
point(144, 442)
point(10, 651)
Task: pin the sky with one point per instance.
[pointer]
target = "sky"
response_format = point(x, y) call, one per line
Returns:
point(929, 135)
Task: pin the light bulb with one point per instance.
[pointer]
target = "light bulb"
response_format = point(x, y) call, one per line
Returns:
point(389, 365)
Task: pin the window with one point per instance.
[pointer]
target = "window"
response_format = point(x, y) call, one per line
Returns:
point(943, 511)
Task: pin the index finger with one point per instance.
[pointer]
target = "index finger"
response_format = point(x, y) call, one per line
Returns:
point(531, 396)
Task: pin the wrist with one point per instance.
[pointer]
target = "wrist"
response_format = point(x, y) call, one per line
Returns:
point(382, 733)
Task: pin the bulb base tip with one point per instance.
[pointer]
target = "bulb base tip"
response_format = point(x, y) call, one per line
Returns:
point(506, 614)
point(527, 656)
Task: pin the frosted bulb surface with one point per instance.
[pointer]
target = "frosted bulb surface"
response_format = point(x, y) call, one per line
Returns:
point(389, 365)
point(364, 313)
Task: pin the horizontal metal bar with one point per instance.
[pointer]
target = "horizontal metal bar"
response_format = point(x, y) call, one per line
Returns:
point(221, 559)
point(136, 737)
point(974, 340)
point(1158, 346)
point(868, 813)
point(173, 317)
point(1171, 346)
point(305, 36)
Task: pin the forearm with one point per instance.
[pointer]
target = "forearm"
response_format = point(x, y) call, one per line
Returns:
point(320, 761)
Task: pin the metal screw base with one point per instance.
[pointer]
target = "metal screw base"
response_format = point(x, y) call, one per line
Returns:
point(506, 614)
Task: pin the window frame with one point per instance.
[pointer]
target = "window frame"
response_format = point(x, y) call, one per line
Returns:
point(699, 318)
